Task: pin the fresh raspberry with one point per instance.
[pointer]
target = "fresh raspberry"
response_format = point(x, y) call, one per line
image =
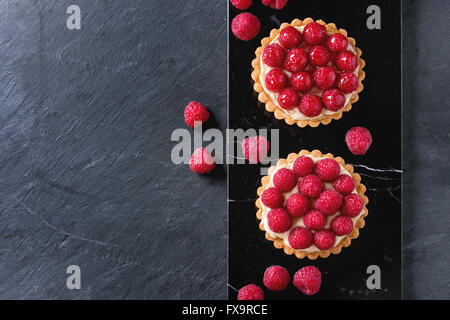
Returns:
point(202, 161)
point(245, 26)
point(327, 169)
point(302, 81)
point(311, 186)
point(352, 205)
point(272, 198)
point(296, 60)
point(241, 4)
point(288, 98)
point(276, 80)
point(275, 4)
point(284, 180)
point(314, 33)
point(310, 105)
point(315, 220)
point(303, 166)
point(273, 55)
point(347, 82)
point(276, 278)
point(342, 225)
point(346, 61)
point(290, 37)
point(300, 238)
point(308, 280)
point(297, 205)
point(337, 42)
point(279, 220)
point(358, 140)
point(333, 99)
point(195, 114)
point(325, 77)
point(329, 202)
point(251, 292)
point(319, 55)
point(324, 239)
point(344, 184)
point(255, 148)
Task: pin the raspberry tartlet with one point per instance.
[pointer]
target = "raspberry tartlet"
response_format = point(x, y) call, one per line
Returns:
point(311, 204)
point(308, 72)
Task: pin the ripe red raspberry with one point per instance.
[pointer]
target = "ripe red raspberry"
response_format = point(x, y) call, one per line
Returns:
point(314, 33)
point(327, 169)
point(300, 238)
point(241, 4)
point(302, 81)
point(358, 140)
point(273, 55)
point(347, 82)
point(279, 220)
point(324, 239)
point(337, 42)
point(245, 26)
point(319, 56)
point(310, 105)
point(195, 114)
point(325, 77)
point(202, 161)
point(346, 61)
point(344, 184)
point(276, 80)
point(329, 202)
point(255, 148)
point(251, 292)
point(311, 186)
point(276, 278)
point(342, 225)
point(297, 205)
point(308, 280)
point(290, 37)
point(275, 4)
point(288, 98)
point(352, 205)
point(272, 198)
point(303, 166)
point(315, 220)
point(284, 180)
point(333, 99)
point(296, 60)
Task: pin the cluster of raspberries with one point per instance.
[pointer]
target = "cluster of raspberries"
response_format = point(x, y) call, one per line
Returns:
point(277, 278)
point(313, 203)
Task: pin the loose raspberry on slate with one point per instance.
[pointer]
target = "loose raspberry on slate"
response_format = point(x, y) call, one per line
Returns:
point(241, 4)
point(279, 220)
point(325, 77)
point(272, 198)
point(333, 99)
point(288, 98)
point(315, 220)
point(297, 205)
point(329, 202)
point(290, 37)
point(255, 148)
point(296, 60)
point(303, 166)
point(358, 140)
point(347, 82)
point(344, 184)
point(284, 180)
point(302, 81)
point(314, 33)
point(319, 56)
point(311, 186)
point(251, 292)
point(346, 61)
point(276, 278)
point(195, 114)
point(308, 280)
point(337, 42)
point(324, 239)
point(352, 205)
point(327, 169)
point(275, 4)
point(202, 161)
point(245, 26)
point(300, 238)
point(276, 80)
point(273, 55)
point(310, 105)
point(342, 225)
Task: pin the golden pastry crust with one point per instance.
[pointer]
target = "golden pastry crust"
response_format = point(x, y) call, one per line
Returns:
point(278, 111)
point(345, 242)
